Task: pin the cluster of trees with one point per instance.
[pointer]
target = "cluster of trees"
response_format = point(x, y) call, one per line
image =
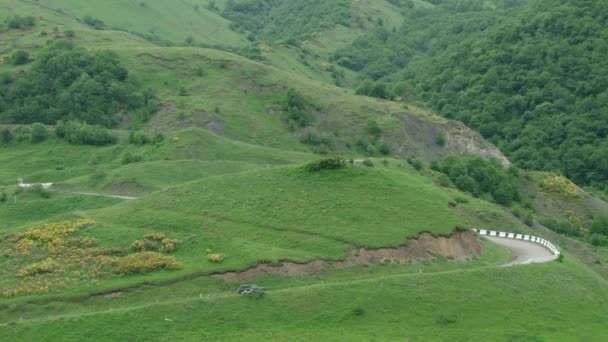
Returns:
point(143, 138)
point(18, 22)
point(81, 133)
point(483, 178)
point(72, 131)
point(530, 76)
point(290, 21)
point(69, 83)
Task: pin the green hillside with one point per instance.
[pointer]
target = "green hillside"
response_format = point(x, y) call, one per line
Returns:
point(157, 155)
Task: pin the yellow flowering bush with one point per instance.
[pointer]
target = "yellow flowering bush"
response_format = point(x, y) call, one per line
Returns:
point(45, 266)
point(155, 242)
point(24, 247)
point(572, 217)
point(560, 185)
point(215, 257)
point(143, 262)
point(50, 232)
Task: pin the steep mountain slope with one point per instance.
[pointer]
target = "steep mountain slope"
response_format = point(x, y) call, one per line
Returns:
point(194, 83)
point(531, 78)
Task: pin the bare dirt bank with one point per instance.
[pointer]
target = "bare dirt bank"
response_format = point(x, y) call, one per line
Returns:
point(460, 245)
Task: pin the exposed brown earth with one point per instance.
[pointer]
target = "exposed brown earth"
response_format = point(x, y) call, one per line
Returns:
point(459, 246)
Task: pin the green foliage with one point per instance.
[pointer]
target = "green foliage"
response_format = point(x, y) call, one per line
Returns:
point(20, 23)
point(130, 158)
point(526, 74)
point(6, 136)
point(298, 109)
point(327, 163)
point(39, 133)
point(562, 227)
point(142, 138)
point(480, 177)
point(600, 226)
point(286, 19)
point(94, 22)
point(440, 138)
point(83, 134)
point(70, 83)
point(415, 163)
point(20, 57)
point(373, 128)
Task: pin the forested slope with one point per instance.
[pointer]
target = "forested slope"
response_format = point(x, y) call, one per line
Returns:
point(530, 76)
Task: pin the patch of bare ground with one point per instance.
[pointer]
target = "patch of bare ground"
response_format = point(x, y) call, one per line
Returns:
point(461, 245)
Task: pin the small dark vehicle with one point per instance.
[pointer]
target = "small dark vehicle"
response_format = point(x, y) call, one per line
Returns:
point(244, 289)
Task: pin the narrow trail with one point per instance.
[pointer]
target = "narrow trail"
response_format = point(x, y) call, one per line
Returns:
point(523, 253)
point(98, 195)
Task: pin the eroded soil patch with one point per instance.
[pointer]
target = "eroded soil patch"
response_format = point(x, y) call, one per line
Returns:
point(461, 245)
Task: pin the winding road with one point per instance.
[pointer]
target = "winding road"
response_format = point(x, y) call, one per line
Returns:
point(524, 252)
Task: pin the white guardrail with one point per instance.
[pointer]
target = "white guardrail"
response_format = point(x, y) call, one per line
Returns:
point(523, 237)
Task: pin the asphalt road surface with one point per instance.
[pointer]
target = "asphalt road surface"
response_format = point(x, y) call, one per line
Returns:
point(524, 252)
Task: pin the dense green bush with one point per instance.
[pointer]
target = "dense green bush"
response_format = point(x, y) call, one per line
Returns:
point(328, 163)
point(69, 83)
point(600, 226)
point(130, 158)
point(481, 178)
point(562, 227)
point(83, 134)
point(6, 136)
point(20, 23)
point(20, 57)
point(286, 20)
point(298, 109)
point(39, 133)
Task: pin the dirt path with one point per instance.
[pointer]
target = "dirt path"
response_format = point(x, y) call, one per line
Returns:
point(524, 252)
point(99, 195)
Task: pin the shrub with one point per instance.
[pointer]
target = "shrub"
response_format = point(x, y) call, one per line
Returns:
point(20, 23)
point(155, 242)
point(215, 257)
point(129, 158)
point(139, 138)
point(461, 200)
point(598, 240)
point(600, 226)
point(54, 231)
point(560, 185)
point(368, 163)
point(3, 197)
point(20, 57)
point(94, 22)
point(562, 227)
point(415, 163)
point(84, 134)
point(41, 267)
point(328, 163)
point(440, 138)
point(6, 136)
point(39, 133)
point(358, 310)
point(384, 149)
point(143, 262)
